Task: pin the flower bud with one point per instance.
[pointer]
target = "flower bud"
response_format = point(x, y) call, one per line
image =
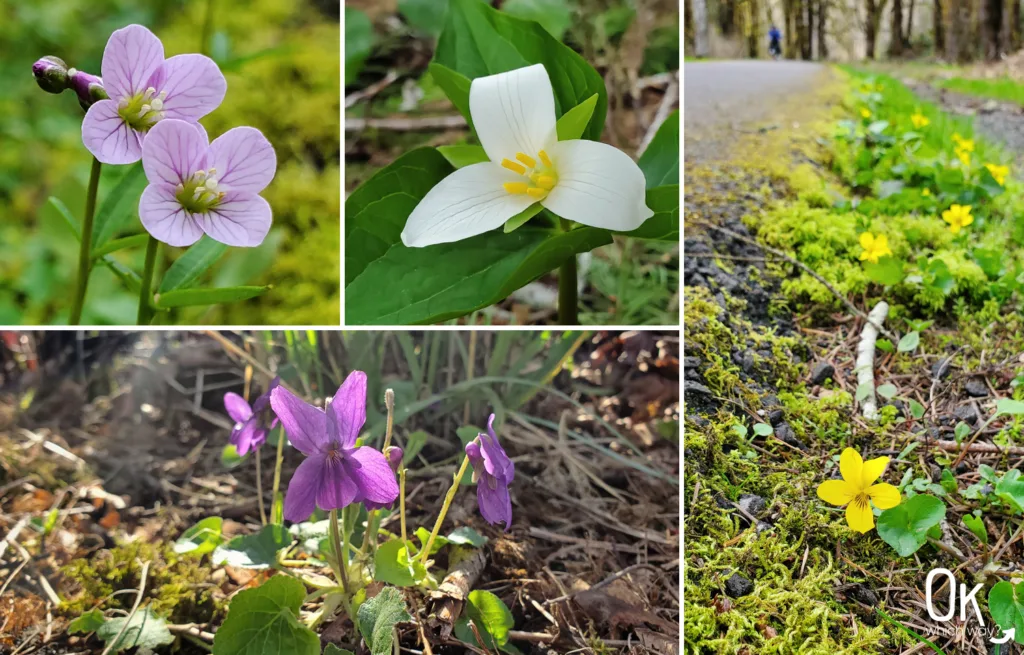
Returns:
point(88, 87)
point(394, 455)
point(51, 74)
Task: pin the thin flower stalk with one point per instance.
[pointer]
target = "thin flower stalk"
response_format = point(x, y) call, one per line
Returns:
point(85, 248)
point(457, 480)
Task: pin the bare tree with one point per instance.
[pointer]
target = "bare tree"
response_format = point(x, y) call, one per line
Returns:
point(754, 28)
point(909, 34)
point(875, 9)
point(896, 29)
point(822, 29)
point(701, 46)
point(939, 26)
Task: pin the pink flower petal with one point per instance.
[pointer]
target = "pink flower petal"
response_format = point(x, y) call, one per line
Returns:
point(194, 86)
point(173, 151)
point(349, 408)
point(108, 137)
point(305, 425)
point(371, 471)
point(300, 501)
point(337, 488)
point(165, 219)
point(244, 159)
point(241, 219)
point(237, 408)
point(131, 56)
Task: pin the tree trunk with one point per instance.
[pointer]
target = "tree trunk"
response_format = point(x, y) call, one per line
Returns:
point(701, 46)
point(957, 14)
point(754, 26)
point(938, 27)
point(809, 30)
point(822, 29)
point(1015, 25)
point(871, 23)
point(896, 30)
point(908, 36)
point(991, 25)
point(787, 28)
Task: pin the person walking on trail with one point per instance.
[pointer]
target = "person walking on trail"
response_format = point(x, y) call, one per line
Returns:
point(774, 42)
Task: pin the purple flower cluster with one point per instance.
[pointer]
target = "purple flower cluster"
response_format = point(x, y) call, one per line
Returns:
point(251, 423)
point(493, 471)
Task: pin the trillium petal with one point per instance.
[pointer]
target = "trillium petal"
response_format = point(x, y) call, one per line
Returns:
point(305, 425)
point(349, 407)
point(373, 475)
point(132, 55)
point(337, 488)
point(165, 219)
point(598, 185)
point(495, 504)
point(514, 112)
point(468, 202)
point(300, 500)
point(244, 159)
point(241, 219)
point(194, 86)
point(872, 470)
point(836, 492)
point(108, 137)
point(237, 408)
point(173, 151)
point(884, 496)
point(859, 516)
point(851, 466)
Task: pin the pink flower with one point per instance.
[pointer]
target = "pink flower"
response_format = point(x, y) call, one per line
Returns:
point(144, 89)
point(197, 187)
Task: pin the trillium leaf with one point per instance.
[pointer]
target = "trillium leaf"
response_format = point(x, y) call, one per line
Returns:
point(660, 162)
point(574, 123)
point(264, 621)
point(358, 43)
point(197, 260)
point(426, 16)
point(905, 527)
point(120, 205)
point(455, 85)
point(664, 225)
point(201, 538)
point(253, 551)
point(553, 15)
point(1006, 603)
point(199, 297)
point(462, 156)
point(377, 618)
point(478, 40)
point(522, 217)
point(145, 630)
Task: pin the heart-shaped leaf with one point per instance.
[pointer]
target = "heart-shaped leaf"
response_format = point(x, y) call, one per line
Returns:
point(145, 630)
point(253, 551)
point(201, 538)
point(1010, 489)
point(377, 618)
point(264, 621)
point(392, 565)
point(905, 527)
point(490, 615)
point(1006, 603)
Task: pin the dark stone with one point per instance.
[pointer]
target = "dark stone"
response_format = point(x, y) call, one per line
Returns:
point(753, 504)
point(723, 502)
point(862, 594)
point(976, 388)
point(785, 432)
point(748, 362)
point(822, 371)
point(770, 401)
point(940, 369)
point(775, 417)
point(738, 586)
point(697, 387)
point(967, 414)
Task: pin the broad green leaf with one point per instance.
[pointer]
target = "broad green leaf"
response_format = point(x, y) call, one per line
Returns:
point(522, 217)
point(91, 621)
point(660, 162)
point(455, 85)
point(427, 16)
point(885, 345)
point(229, 457)
point(462, 156)
point(392, 565)
point(864, 390)
point(490, 615)
point(145, 630)
point(427, 285)
point(264, 621)
point(134, 241)
point(976, 525)
point(119, 205)
point(376, 212)
point(440, 541)
point(763, 429)
point(467, 536)
point(905, 527)
point(127, 276)
point(887, 271)
point(887, 390)
point(664, 225)
point(553, 15)
point(196, 261)
point(1009, 406)
point(1006, 604)
point(574, 123)
point(201, 538)
point(478, 40)
point(200, 297)
point(916, 408)
point(358, 43)
point(909, 342)
point(960, 431)
point(377, 618)
point(1010, 489)
point(253, 551)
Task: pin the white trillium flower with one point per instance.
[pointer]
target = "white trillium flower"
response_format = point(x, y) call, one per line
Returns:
point(583, 181)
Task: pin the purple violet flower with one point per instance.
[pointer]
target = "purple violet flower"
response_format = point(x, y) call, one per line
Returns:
point(394, 456)
point(493, 471)
point(251, 423)
point(197, 187)
point(335, 473)
point(143, 89)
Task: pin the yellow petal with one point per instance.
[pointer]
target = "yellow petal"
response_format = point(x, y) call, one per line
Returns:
point(864, 255)
point(859, 516)
point(866, 240)
point(884, 495)
point(851, 466)
point(836, 492)
point(968, 220)
point(873, 469)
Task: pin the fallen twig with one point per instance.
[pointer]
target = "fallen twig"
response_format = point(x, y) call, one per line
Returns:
point(370, 91)
point(135, 608)
point(445, 604)
point(400, 124)
point(865, 365)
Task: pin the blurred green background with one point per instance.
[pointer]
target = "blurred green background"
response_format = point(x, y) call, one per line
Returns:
point(281, 60)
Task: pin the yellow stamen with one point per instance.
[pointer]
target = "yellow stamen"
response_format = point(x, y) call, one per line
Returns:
point(514, 167)
point(545, 159)
point(539, 194)
point(545, 182)
point(527, 159)
point(516, 187)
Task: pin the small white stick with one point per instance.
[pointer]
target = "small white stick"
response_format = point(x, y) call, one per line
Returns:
point(866, 358)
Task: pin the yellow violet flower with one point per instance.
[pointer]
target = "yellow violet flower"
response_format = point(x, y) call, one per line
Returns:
point(964, 156)
point(874, 247)
point(963, 144)
point(958, 217)
point(919, 121)
point(926, 192)
point(857, 488)
point(865, 113)
point(998, 172)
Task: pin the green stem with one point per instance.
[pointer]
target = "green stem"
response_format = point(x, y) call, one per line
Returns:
point(85, 249)
point(204, 47)
point(401, 500)
point(259, 487)
point(567, 293)
point(339, 541)
point(444, 510)
point(277, 464)
point(372, 519)
point(146, 290)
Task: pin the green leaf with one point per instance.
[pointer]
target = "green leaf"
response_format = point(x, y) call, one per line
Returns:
point(1006, 604)
point(864, 390)
point(440, 541)
point(574, 123)
point(490, 615)
point(522, 217)
point(905, 527)
point(478, 40)
point(1010, 489)
point(664, 225)
point(555, 16)
point(334, 650)
point(660, 162)
point(467, 536)
point(377, 618)
point(200, 297)
point(136, 240)
point(1009, 406)
point(413, 445)
point(763, 429)
point(264, 621)
point(909, 342)
point(145, 630)
point(455, 85)
point(229, 457)
point(916, 408)
point(462, 156)
point(120, 205)
point(886, 391)
point(976, 525)
point(960, 431)
point(436, 283)
point(197, 260)
point(427, 16)
point(253, 551)
point(201, 538)
point(91, 621)
point(392, 565)
point(127, 276)
point(887, 271)
point(358, 43)
point(885, 345)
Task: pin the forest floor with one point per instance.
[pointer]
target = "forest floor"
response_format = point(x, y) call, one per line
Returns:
point(112, 447)
point(775, 302)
